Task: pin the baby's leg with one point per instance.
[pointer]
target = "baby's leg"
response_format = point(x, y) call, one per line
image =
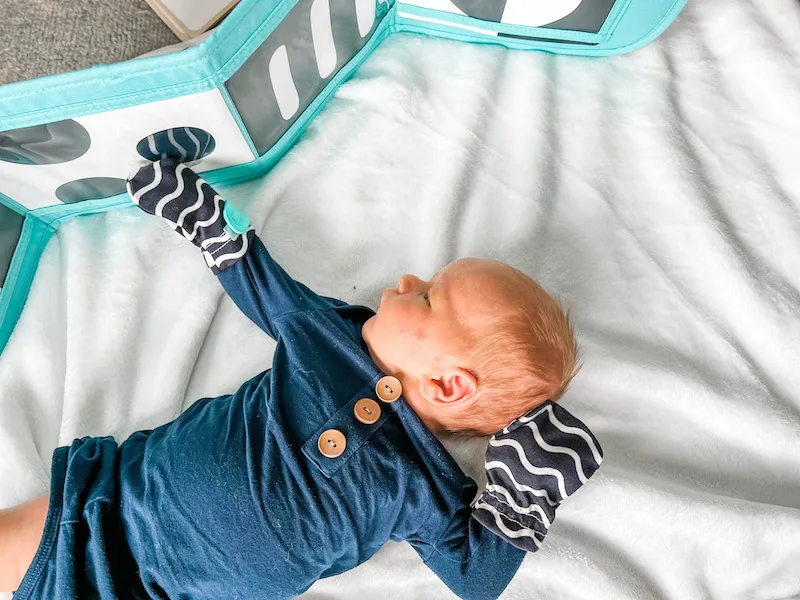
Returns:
point(21, 530)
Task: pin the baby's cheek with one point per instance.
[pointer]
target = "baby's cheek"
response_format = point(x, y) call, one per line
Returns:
point(403, 316)
point(406, 320)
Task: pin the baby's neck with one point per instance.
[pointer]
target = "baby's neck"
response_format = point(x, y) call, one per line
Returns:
point(410, 391)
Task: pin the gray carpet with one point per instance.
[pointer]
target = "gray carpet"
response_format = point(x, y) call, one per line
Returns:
point(44, 37)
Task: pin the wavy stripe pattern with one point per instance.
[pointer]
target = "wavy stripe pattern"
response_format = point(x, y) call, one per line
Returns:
point(496, 464)
point(531, 467)
point(185, 144)
point(169, 189)
point(501, 523)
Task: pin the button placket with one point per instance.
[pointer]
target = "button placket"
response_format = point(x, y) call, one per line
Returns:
point(355, 432)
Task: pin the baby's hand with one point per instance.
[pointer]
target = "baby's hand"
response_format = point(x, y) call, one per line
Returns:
point(171, 190)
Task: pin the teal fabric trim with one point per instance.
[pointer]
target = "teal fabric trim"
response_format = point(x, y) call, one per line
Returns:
point(20, 274)
point(613, 19)
point(104, 88)
point(13, 205)
point(640, 17)
point(200, 68)
point(37, 229)
point(262, 18)
point(236, 222)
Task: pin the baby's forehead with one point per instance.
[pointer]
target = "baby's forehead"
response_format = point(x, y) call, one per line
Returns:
point(471, 271)
point(480, 285)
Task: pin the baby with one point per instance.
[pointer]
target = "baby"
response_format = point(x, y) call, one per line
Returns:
point(311, 466)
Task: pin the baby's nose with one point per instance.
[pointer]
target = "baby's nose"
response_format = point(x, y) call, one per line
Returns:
point(408, 283)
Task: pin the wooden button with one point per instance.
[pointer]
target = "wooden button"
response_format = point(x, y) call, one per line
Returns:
point(332, 443)
point(367, 411)
point(388, 388)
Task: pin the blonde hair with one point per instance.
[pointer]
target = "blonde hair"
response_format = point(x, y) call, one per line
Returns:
point(527, 356)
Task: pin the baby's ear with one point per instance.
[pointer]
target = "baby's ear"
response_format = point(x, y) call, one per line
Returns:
point(452, 387)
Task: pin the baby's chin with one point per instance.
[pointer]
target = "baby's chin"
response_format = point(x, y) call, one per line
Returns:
point(368, 334)
point(367, 326)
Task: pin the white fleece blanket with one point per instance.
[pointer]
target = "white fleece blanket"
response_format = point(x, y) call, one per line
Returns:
point(657, 194)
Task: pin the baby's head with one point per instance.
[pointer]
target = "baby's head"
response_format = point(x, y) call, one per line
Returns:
point(477, 346)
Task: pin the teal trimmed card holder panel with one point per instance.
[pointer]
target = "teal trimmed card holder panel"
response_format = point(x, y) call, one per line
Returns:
point(235, 103)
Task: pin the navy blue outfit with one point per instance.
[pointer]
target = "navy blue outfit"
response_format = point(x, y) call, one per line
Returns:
point(234, 499)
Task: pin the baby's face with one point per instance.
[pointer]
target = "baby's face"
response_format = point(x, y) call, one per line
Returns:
point(421, 325)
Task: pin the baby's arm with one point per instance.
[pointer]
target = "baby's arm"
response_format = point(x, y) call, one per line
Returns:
point(471, 560)
point(256, 283)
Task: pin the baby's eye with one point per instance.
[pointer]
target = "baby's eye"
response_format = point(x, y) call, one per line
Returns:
point(425, 297)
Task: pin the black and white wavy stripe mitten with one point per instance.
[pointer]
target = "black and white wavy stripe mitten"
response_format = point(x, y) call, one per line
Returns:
point(532, 466)
point(171, 190)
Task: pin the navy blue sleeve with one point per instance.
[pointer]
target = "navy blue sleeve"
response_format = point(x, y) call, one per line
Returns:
point(472, 561)
point(264, 291)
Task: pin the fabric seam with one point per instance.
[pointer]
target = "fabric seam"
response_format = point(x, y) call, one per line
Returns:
point(513, 520)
